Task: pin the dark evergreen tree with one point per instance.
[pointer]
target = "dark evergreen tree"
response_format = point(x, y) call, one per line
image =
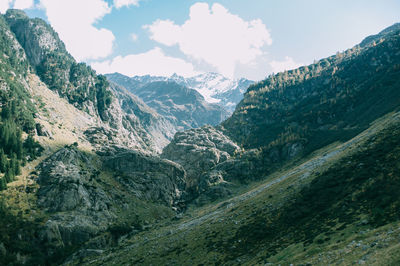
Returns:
point(3, 184)
point(9, 175)
point(3, 161)
point(15, 165)
point(32, 148)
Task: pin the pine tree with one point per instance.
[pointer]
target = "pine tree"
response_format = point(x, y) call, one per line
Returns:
point(16, 169)
point(3, 184)
point(3, 161)
point(9, 176)
point(6, 112)
point(19, 146)
point(32, 148)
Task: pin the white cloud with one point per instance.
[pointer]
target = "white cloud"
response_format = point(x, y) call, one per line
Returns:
point(4, 5)
point(153, 62)
point(23, 4)
point(215, 36)
point(134, 37)
point(287, 64)
point(74, 21)
point(121, 3)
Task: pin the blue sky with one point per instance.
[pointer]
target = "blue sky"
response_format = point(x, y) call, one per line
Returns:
point(237, 38)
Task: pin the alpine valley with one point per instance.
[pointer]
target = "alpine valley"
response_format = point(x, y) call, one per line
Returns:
point(301, 168)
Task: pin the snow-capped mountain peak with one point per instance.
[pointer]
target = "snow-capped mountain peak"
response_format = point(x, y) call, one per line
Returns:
point(216, 88)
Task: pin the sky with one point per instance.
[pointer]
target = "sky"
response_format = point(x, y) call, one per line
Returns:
point(236, 38)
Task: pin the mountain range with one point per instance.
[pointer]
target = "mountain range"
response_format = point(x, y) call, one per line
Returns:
point(215, 88)
point(113, 170)
point(185, 108)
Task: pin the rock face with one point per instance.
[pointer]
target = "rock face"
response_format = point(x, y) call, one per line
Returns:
point(65, 181)
point(244, 168)
point(149, 178)
point(215, 165)
point(79, 208)
point(136, 125)
point(10, 41)
point(198, 151)
point(81, 203)
point(184, 107)
point(51, 61)
point(34, 36)
point(131, 123)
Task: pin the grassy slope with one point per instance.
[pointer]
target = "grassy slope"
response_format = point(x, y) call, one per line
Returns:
point(339, 206)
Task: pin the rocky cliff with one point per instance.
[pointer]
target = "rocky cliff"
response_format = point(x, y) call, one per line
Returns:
point(147, 177)
point(77, 195)
point(198, 151)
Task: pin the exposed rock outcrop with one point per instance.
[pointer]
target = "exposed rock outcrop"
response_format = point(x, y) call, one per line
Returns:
point(137, 126)
point(68, 192)
point(34, 36)
point(149, 178)
point(81, 205)
point(215, 165)
point(198, 151)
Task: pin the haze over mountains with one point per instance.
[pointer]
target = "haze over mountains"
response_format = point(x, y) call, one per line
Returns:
point(152, 170)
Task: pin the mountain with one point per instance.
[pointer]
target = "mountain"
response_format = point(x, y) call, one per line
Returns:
point(214, 87)
point(125, 118)
point(381, 35)
point(332, 100)
point(183, 107)
point(217, 89)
